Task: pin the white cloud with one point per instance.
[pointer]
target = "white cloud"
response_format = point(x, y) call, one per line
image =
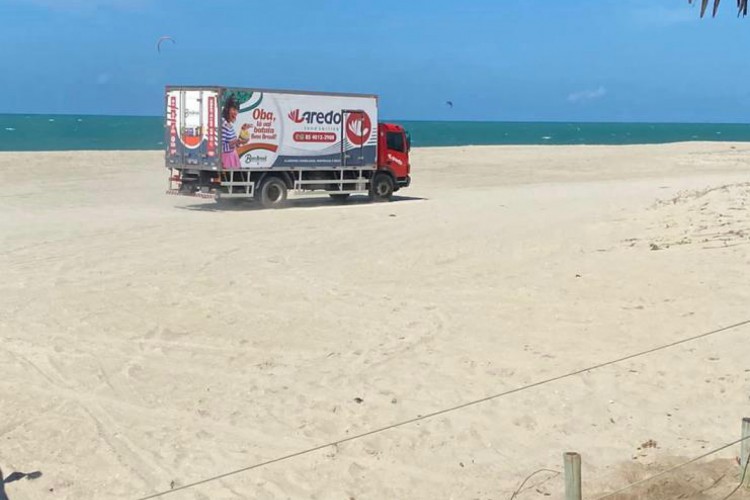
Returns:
point(587, 95)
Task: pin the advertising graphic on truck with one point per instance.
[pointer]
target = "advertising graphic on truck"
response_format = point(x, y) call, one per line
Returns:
point(284, 130)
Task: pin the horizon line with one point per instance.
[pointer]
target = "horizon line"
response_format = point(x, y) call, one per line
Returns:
point(594, 122)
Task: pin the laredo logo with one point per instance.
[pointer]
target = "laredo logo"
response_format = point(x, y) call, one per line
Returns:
point(319, 117)
point(358, 128)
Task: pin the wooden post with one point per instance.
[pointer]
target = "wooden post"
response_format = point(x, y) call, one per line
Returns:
point(745, 451)
point(572, 476)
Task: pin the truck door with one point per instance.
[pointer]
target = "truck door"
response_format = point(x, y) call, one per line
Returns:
point(397, 152)
point(192, 128)
point(354, 134)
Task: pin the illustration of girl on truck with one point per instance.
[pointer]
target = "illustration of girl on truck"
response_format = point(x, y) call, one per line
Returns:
point(229, 140)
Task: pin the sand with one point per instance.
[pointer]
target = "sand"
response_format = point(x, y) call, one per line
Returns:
point(149, 341)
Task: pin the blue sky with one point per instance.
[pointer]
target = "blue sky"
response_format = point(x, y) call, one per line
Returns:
point(505, 60)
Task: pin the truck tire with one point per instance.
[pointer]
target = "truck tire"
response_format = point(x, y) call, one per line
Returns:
point(381, 187)
point(272, 193)
point(339, 196)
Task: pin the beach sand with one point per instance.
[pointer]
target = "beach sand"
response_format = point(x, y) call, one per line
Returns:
point(149, 341)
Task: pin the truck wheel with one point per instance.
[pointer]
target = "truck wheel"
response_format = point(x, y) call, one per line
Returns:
point(272, 193)
point(339, 196)
point(382, 187)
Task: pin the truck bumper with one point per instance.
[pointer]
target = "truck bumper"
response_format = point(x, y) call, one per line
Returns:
point(194, 194)
point(404, 182)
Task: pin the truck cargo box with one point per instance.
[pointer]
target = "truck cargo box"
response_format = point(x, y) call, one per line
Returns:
point(282, 129)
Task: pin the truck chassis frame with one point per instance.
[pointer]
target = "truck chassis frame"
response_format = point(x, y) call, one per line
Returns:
point(243, 183)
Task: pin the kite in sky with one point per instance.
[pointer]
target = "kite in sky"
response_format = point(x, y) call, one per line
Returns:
point(161, 40)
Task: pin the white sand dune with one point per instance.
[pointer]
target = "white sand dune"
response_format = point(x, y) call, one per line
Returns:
point(149, 341)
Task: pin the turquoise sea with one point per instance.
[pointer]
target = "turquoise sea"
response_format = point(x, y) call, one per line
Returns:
point(71, 132)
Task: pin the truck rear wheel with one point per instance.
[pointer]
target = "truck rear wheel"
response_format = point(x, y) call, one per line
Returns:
point(272, 192)
point(381, 187)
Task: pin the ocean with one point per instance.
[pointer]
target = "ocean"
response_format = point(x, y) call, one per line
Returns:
point(70, 132)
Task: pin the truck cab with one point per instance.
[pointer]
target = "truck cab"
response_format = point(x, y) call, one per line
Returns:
point(394, 145)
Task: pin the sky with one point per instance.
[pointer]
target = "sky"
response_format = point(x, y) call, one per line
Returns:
point(496, 60)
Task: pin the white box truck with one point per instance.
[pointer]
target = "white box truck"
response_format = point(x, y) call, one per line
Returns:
point(228, 143)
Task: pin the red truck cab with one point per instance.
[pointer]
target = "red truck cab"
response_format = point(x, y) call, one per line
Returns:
point(394, 145)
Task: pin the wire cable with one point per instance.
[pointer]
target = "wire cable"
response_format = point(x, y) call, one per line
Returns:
point(742, 480)
point(520, 488)
point(676, 467)
point(420, 418)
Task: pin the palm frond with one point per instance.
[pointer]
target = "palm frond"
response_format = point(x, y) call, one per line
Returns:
point(741, 7)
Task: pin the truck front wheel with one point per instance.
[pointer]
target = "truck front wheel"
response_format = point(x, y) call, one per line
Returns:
point(381, 187)
point(272, 193)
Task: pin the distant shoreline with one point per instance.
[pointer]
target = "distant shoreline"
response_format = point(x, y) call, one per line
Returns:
point(27, 132)
point(499, 147)
point(400, 120)
point(404, 120)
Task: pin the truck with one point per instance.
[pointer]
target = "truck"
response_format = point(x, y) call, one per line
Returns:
point(285, 142)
